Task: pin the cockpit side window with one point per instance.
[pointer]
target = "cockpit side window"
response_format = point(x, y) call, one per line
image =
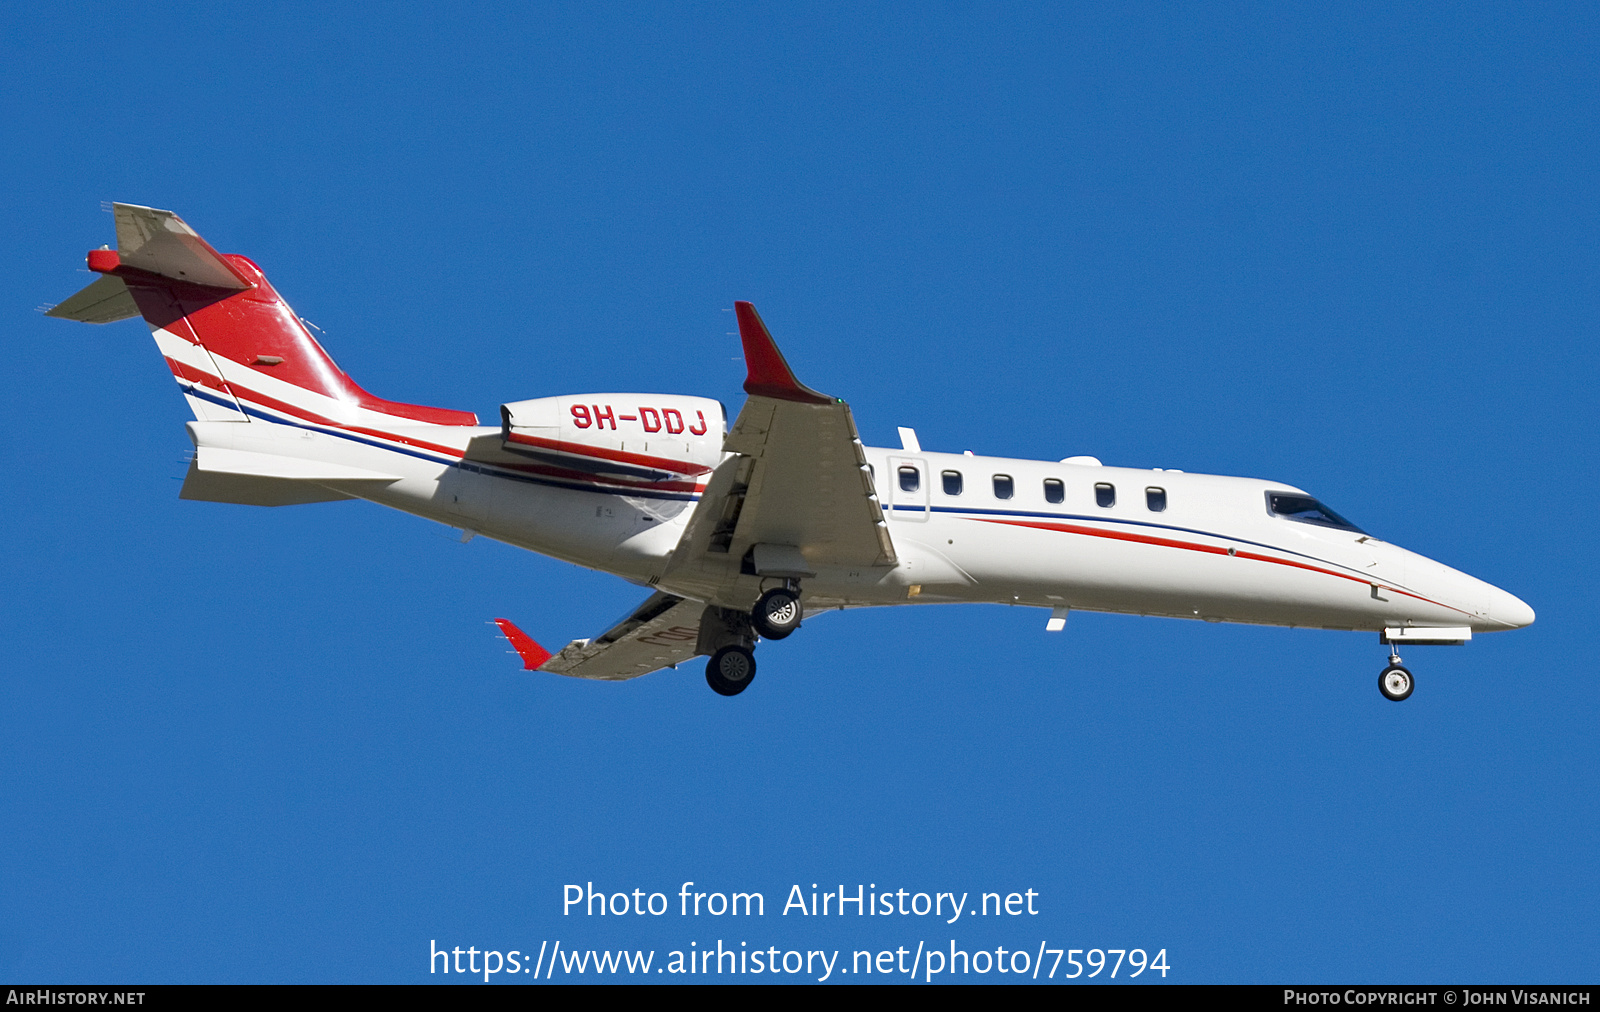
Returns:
point(1293, 506)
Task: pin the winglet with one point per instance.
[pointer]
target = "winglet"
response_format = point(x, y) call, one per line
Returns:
point(532, 653)
point(770, 375)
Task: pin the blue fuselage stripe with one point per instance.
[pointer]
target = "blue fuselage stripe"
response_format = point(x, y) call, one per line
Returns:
point(493, 472)
point(488, 470)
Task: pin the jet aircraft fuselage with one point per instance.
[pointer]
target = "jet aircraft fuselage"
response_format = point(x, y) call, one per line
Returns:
point(741, 530)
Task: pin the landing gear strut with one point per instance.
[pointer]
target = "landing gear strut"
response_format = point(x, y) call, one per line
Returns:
point(777, 613)
point(731, 670)
point(1396, 682)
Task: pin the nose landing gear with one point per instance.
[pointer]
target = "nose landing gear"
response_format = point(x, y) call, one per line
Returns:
point(1396, 682)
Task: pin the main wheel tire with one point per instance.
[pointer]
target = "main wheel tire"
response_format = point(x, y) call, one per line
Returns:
point(730, 670)
point(777, 614)
point(1396, 683)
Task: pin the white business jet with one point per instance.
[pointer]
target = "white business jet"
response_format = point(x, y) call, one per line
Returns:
point(742, 532)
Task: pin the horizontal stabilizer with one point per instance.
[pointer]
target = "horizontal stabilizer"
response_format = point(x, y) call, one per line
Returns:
point(159, 242)
point(249, 490)
point(106, 300)
point(271, 465)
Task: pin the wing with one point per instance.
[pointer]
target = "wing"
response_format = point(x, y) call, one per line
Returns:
point(797, 492)
point(663, 630)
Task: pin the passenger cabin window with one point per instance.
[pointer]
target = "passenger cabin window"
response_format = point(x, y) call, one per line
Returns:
point(1003, 486)
point(910, 479)
point(1105, 495)
point(1054, 491)
point(1156, 499)
point(952, 482)
point(1308, 511)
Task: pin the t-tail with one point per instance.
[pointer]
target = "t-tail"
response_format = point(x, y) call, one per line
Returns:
point(237, 350)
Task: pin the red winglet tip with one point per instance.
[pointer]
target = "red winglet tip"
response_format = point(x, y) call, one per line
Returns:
point(769, 375)
point(532, 654)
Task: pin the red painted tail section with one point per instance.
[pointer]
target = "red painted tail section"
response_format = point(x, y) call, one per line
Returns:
point(256, 329)
point(220, 323)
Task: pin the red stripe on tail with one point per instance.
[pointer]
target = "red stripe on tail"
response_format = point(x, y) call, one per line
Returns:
point(258, 330)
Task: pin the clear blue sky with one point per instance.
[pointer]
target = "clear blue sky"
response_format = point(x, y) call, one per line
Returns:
point(1351, 250)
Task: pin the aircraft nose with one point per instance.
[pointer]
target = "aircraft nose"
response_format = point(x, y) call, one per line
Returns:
point(1510, 609)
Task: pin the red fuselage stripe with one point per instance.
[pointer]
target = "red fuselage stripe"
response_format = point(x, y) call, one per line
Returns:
point(1146, 539)
point(205, 379)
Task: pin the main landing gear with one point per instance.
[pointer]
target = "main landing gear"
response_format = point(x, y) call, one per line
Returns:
point(1396, 682)
point(730, 670)
point(734, 634)
point(777, 613)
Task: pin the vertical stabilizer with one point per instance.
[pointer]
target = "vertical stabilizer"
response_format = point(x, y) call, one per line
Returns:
point(233, 344)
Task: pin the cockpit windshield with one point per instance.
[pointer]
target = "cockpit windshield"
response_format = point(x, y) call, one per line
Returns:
point(1307, 510)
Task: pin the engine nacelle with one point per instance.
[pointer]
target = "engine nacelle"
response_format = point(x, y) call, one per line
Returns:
point(648, 437)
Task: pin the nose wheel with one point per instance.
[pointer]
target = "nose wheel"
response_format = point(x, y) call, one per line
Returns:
point(1396, 682)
